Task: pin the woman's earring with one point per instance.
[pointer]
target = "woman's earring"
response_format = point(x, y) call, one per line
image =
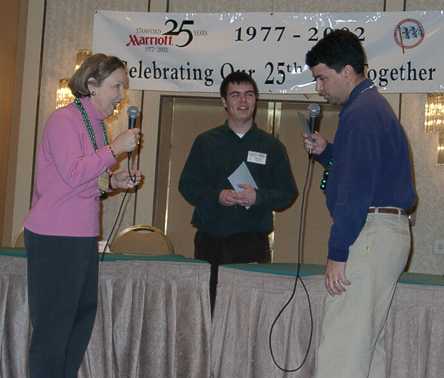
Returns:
point(93, 92)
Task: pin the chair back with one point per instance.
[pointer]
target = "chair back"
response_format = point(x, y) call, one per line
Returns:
point(142, 239)
point(20, 240)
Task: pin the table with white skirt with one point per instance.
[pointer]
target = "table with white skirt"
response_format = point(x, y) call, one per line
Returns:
point(250, 296)
point(153, 318)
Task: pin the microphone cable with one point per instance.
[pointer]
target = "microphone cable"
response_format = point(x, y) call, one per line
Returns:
point(133, 179)
point(133, 114)
point(102, 258)
point(130, 175)
point(298, 278)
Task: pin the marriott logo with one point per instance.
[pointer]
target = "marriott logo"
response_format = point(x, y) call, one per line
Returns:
point(162, 40)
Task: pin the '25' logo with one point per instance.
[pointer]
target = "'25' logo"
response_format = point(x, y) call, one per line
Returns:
point(175, 30)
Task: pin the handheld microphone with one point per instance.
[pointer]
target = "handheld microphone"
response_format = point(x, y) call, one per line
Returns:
point(133, 113)
point(314, 111)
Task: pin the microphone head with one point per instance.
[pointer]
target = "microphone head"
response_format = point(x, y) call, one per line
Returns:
point(314, 110)
point(133, 112)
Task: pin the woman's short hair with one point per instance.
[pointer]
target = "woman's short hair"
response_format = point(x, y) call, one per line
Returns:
point(94, 69)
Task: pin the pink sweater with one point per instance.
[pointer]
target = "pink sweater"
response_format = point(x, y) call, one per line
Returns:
point(66, 195)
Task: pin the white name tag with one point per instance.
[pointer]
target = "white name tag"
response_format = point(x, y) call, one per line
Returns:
point(257, 157)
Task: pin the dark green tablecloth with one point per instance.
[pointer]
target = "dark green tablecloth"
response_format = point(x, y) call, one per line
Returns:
point(310, 270)
point(286, 269)
point(20, 252)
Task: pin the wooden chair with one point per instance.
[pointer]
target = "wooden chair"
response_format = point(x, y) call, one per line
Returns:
point(142, 239)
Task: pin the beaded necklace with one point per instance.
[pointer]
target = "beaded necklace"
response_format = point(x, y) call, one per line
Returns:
point(89, 128)
point(104, 179)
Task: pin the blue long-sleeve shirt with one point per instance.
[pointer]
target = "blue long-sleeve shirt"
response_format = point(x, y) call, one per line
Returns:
point(371, 166)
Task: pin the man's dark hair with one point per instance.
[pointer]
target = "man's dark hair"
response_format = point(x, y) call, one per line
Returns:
point(336, 50)
point(237, 77)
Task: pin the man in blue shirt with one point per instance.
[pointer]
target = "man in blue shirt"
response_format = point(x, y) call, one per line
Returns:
point(369, 190)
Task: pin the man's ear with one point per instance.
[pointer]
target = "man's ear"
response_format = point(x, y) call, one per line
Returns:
point(224, 102)
point(348, 71)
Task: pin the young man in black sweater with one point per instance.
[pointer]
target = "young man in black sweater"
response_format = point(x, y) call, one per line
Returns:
point(233, 225)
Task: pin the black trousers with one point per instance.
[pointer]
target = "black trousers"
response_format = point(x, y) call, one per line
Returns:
point(62, 297)
point(244, 247)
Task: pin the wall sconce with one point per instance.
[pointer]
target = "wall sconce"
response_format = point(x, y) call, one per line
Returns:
point(81, 55)
point(441, 148)
point(434, 120)
point(63, 95)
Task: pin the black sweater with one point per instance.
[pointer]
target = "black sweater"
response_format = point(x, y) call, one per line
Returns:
point(214, 156)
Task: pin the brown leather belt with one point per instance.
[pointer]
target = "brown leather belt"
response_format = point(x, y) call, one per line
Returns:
point(387, 210)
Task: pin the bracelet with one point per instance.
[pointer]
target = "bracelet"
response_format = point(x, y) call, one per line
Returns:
point(110, 187)
point(111, 150)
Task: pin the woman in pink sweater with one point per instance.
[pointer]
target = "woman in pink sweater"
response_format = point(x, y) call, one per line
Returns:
point(72, 172)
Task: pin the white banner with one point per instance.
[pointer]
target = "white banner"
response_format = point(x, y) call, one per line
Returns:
point(193, 52)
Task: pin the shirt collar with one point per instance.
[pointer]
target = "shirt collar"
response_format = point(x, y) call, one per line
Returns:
point(228, 129)
point(363, 86)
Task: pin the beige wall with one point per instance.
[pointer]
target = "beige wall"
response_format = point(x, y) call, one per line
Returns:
point(9, 30)
point(429, 176)
point(24, 110)
point(61, 39)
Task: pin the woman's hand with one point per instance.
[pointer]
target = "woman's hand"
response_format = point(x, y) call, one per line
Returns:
point(126, 141)
point(123, 180)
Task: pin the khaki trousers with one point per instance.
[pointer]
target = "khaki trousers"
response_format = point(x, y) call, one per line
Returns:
point(352, 327)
